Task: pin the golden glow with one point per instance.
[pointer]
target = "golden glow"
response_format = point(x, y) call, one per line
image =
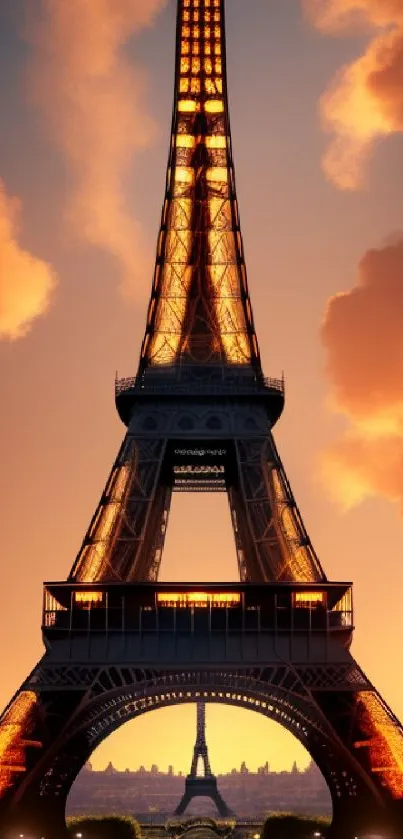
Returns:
point(200, 599)
point(384, 741)
point(187, 105)
point(216, 142)
point(88, 597)
point(309, 598)
point(92, 562)
point(298, 565)
point(185, 141)
point(214, 106)
point(200, 84)
point(16, 727)
point(217, 174)
point(184, 175)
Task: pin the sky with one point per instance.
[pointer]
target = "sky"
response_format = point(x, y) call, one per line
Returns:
point(317, 114)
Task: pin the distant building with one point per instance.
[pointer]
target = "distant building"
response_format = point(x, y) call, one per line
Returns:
point(249, 794)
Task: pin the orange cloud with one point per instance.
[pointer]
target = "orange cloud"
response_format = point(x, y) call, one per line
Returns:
point(363, 336)
point(26, 283)
point(95, 101)
point(365, 100)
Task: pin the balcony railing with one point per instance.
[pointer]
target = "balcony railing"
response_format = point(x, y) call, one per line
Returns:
point(229, 609)
point(143, 385)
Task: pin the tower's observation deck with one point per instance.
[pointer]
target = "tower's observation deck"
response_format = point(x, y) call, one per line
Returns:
point(202, 383)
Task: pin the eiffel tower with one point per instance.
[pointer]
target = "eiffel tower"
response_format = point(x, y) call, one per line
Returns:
point(201, 785)
point(199, 416)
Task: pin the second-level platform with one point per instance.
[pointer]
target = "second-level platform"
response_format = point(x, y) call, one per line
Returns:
point(199, 382)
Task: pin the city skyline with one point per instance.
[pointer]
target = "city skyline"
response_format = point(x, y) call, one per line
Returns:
point(60, 430)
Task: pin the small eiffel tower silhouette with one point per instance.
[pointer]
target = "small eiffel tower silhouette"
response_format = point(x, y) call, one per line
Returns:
point(202, 785)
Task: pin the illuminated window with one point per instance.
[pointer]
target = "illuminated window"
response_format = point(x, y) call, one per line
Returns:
point(185, 141)
point(216, 142)
point(187, 105)
point(184, 174)
point(218, 174)
point(199, 599)
point(214, 106)
point(210, 87)
point(309, 599)
point(88, 597)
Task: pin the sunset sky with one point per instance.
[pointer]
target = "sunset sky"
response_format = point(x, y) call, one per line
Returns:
point(317, 115)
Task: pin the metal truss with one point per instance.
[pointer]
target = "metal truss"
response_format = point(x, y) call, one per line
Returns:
point(118, 694)
point(201, 785)
point(126, 536)
point(200, 309)
point(271, 539)
point(200, 749)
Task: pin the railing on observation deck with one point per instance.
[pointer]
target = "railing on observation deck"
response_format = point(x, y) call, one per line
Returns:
point(178, 384)
point(158, 608)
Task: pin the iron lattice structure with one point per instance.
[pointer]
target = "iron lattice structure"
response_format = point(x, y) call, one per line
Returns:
point(201, 785)
point(199, 417)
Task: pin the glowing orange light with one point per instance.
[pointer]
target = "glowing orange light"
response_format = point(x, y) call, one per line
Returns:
point(297, 561)
point(92, 561)
point(200, 599)
point(216, 142)
point(88, 596)
point(303, 598)
point(187, 105)
point(217, 174)
point(384, 742)
point(15, 729)
point(185, 141)
point(184, 174)
point(214, 106)
point(200, 76)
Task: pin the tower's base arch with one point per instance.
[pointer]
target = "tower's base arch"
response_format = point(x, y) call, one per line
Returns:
point(113, 700)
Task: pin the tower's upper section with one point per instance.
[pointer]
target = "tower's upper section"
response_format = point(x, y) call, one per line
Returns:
point(200, 311)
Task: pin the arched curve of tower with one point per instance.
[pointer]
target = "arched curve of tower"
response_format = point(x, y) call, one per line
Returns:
point(114, 707)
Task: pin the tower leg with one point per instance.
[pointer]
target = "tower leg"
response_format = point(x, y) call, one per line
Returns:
point(183, 804)
point(206, 787)
point(271, 540)
point(126, 536)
